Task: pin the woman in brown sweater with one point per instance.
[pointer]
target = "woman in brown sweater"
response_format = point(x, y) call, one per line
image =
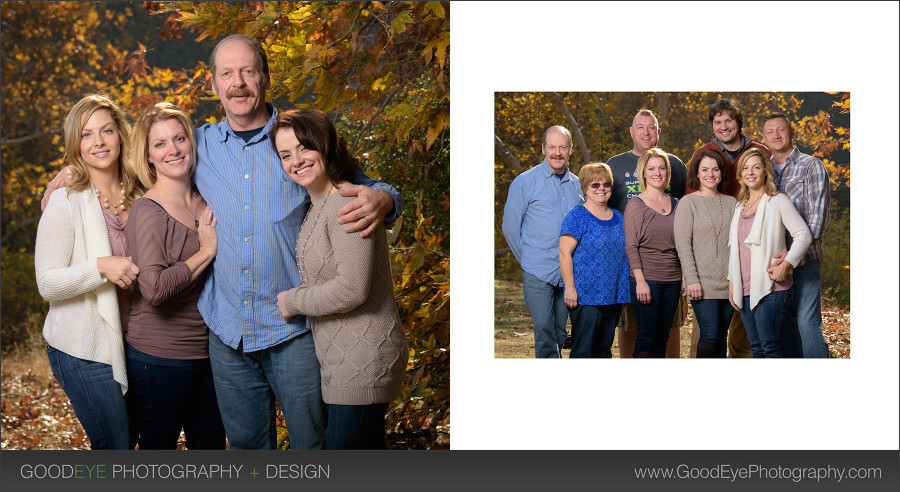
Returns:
point(346, 292)
point(172, 238)
point(702, 224)
point(656, 282)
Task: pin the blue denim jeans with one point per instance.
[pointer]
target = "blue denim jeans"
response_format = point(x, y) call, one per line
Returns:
point(96, 398)
point(356, 426)
point(654, 320)
point(593, 329)
point(248, 384)
point(713, 317)
point(766, 322)
point(807, 309)
point(166, 395)
point(547, 307)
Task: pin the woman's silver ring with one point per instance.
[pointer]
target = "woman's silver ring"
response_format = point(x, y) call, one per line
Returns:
point(367, 220)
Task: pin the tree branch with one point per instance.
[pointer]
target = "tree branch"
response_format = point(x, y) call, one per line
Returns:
point(18, 140)
point(506, 153)
point(19, 225)
point(576, 130)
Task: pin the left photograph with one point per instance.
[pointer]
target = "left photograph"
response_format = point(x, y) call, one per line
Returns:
point(225, 225)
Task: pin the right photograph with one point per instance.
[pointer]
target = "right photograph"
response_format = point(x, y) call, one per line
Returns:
point(672, 225)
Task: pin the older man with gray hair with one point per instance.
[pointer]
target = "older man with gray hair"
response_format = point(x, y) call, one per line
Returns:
point(537, 202)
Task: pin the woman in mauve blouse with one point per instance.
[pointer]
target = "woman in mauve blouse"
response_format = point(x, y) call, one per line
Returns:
point(172, 238)
point(656, 283)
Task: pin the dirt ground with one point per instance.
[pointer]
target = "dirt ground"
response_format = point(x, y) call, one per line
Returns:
point(514, 335)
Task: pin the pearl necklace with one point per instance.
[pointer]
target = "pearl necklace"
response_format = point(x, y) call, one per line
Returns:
point(298, 256)
point(749, 205)
point(105, 201)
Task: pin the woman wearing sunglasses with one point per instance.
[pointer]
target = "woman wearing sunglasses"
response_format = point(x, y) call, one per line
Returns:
point(593, 265)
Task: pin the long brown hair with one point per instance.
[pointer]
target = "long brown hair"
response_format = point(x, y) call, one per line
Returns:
point(72, 127)
point(316, 132)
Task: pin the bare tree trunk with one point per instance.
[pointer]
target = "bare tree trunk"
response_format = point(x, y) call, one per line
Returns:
point(663, 116)
point(510, 158)
point(576, 130)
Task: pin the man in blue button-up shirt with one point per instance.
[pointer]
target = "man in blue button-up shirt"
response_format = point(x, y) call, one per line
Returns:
point(256, 355)
point(537, 202)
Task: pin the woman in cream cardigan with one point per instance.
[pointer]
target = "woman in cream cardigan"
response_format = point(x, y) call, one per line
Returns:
point(762, 292)
point(82, 268)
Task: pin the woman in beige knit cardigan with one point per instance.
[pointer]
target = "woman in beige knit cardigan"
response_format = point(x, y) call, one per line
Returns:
point(702, 223)
point(82, 268)
point(346, 291)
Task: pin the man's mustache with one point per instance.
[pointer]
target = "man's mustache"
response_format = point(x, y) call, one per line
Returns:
point(239, 93)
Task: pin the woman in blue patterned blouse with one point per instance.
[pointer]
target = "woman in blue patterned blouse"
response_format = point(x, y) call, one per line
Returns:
point(593, 265)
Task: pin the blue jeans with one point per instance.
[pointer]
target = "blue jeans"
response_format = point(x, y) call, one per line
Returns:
point(248, 384)
point(654, 320)
point(766, 322)
point(593, 329)
point(547, 307)
point(356, 426)
point(807, 309)
point(713, 317)
point(166, 395)
point(96, 398)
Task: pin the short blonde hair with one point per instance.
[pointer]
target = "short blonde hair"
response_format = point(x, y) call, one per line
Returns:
point(72, 127)
point(770, 188)
point(595, 171)
point(163, 111)
point(642, 165)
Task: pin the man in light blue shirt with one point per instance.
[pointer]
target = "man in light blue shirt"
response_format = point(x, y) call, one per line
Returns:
point(258, 357)
point(536, 205)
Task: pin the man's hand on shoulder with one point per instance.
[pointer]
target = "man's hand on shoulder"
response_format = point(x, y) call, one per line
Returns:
point(365, 212)
point(62, 179)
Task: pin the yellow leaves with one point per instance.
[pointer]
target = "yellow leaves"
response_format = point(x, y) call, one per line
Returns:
point(399, 23)
point(437, 46)
point(437, 121)
point(381, 83)
point(434, 9)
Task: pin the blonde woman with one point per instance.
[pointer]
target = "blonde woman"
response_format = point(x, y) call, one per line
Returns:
point(656, 283)
point(83, 269)
point(172, 238)
point(761, 292)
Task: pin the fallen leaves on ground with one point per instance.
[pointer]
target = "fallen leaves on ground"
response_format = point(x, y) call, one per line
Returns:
point(37, 415)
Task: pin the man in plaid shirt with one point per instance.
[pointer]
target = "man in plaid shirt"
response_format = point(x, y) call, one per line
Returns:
point(804, 179)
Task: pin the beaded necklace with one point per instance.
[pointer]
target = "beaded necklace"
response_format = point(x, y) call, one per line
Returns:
point(297, 255)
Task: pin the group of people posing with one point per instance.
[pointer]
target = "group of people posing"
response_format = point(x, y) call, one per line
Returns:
point(196, 277)
point(738, 232)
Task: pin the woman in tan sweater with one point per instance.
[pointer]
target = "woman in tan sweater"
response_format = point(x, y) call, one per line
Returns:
point(702, 224)
point(346, 292)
